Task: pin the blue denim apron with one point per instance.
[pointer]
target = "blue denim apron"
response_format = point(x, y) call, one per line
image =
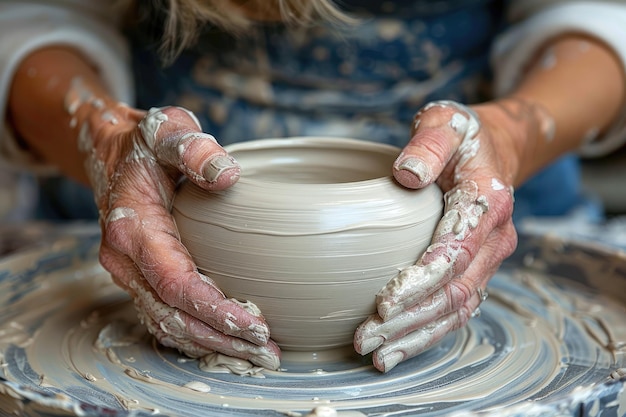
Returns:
point(366, 82)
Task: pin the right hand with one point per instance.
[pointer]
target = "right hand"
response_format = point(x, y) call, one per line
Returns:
point(134, 161)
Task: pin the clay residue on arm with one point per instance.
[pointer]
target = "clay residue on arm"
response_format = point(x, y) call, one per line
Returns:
point(571, 93)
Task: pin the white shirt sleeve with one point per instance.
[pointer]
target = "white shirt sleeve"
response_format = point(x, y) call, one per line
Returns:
point(87, 25)
point(604, 20)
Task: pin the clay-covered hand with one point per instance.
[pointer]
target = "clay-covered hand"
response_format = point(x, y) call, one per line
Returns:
point(472, 156)
point(134, 162)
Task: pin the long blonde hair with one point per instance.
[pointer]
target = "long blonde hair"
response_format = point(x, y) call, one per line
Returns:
point(185, 18)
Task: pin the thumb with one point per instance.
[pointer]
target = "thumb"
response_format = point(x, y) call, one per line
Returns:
point(176, 138)
point(438, 131)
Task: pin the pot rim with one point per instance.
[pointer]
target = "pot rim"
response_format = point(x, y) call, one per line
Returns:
point(321, 143)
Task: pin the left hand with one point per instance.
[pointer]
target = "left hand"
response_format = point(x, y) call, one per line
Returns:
point(475, 162)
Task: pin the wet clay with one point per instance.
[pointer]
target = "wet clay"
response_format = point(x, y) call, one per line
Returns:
point(540, 337)
point(314, 228)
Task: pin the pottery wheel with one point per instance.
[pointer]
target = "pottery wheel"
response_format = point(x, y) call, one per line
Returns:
point(70, 344)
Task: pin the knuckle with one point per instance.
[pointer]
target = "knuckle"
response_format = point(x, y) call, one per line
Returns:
point(121, 272)
point(434, 113)
point(182, 116)
point(115, 237)
point(106, 257)
point(499, 198)
point(170, 290)
point(436, 146)
point(459, 294)
point(431, 135)
point(464, 314)
point(504, 204)
point(176, 113)
point(505, 242)
point(500, 207)
point(117, 232)
point(509, 242)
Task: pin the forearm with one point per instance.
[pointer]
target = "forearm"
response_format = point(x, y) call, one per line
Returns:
point(572, 91)
point(47, 111)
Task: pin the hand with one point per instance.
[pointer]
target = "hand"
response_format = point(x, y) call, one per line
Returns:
point(475, 162)
point(134, 162)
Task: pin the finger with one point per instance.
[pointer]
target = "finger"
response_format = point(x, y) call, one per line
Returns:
point(392, 353)
point(372, 333)
point(463, 229)
point(177, 329)
point(145, 232)
point(175, 137)
point(439, 129)
point(457, 293)
point(375, 332)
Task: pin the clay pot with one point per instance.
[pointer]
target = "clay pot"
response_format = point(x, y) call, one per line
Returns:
point(314, 228)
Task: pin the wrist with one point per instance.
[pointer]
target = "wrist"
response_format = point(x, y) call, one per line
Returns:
point(515, 126)
point(534, 130)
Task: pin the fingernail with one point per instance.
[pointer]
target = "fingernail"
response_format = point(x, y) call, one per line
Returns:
point(416, 167)
point(390, 360)
point(370, 344)
point(267, 361)
point(216, 166)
